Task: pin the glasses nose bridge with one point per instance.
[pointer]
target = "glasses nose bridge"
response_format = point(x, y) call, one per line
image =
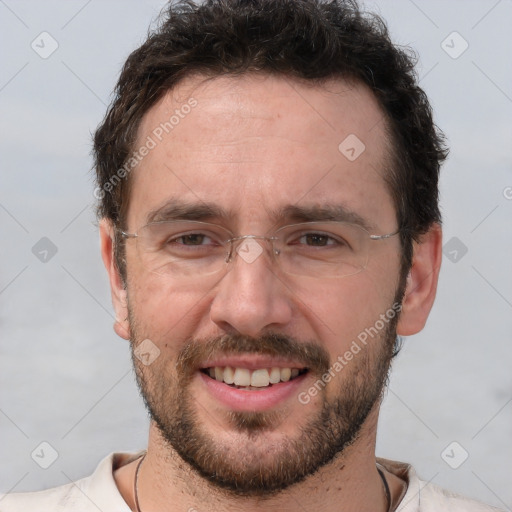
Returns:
point(238, 240)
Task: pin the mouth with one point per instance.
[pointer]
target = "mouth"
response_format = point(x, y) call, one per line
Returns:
point(253, 379)
point(252, 382)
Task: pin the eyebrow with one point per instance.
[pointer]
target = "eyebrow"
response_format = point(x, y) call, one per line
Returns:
point(176, 209)
point(325, 212)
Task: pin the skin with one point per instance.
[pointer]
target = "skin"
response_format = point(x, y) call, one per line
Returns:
point(253, 144)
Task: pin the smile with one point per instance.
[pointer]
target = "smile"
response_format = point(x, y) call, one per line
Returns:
point(251, 380)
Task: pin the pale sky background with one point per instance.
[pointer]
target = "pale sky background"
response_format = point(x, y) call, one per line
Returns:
point(66, 379)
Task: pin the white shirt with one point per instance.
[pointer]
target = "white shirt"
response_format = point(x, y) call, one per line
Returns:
point(99, 492)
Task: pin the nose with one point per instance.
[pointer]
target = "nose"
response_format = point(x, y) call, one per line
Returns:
point(251, 297)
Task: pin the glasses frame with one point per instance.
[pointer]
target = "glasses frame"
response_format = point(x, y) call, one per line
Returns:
point(237, 239)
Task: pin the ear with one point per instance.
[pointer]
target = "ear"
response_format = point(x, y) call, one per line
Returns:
point(421, 282)
point(118, 291)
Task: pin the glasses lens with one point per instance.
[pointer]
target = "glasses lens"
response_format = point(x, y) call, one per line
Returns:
point(183, 248)
point(322, 249)
point(314, 249)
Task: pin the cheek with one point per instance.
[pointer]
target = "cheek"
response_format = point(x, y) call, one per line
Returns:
point(162, 310)
point(341, 311)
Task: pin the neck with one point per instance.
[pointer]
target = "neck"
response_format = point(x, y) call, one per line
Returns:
point(166, 483)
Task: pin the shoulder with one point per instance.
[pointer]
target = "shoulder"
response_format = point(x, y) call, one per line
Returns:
point(95, 492)
point(434, 497)
point(55, 500)
point(424, 496)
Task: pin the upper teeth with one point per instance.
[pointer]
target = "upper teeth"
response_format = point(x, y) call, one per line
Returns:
point(256, 378)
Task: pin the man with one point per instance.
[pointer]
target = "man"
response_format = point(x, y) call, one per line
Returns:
point(267, 176)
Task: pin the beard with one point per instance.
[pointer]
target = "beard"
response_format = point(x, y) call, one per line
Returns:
point(254, 463)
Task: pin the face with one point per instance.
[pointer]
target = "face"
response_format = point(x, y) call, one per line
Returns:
point(246, 155)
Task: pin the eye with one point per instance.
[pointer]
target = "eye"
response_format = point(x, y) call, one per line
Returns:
point(192, 239)
point(184, 239)
point(317, 239)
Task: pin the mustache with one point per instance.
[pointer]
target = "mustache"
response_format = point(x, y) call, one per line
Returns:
point(196, 352)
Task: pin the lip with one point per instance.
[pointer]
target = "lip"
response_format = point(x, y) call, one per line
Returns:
point(245, 400)
point(252, 362)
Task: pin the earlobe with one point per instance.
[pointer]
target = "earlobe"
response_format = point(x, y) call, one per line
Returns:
point(117, 288)
point(421, 282)
point(121, 324)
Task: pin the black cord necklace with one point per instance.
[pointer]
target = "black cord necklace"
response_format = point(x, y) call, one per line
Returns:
point(135, 493)
point(386, 488)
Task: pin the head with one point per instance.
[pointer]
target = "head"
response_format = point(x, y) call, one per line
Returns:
point(239, 113)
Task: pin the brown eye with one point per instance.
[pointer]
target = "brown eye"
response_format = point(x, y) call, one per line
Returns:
point(316, 240)
point(193, 239)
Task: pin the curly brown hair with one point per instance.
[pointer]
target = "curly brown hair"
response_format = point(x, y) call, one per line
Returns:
point(310, 40)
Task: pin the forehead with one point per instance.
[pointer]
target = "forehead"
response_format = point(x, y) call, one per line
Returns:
point(258, 143)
